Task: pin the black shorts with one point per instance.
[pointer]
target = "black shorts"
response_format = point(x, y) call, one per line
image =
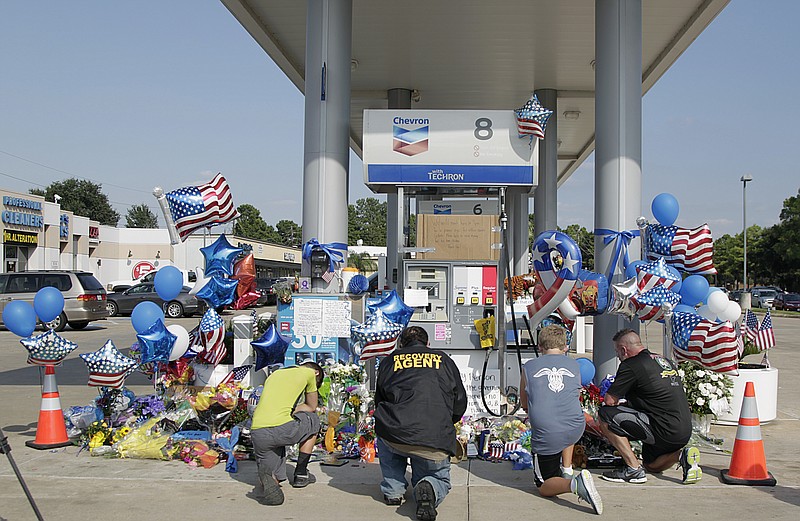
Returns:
point(635, 425)
point(546, 467)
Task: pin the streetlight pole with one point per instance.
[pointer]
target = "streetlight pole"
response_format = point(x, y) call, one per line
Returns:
point(745, 179)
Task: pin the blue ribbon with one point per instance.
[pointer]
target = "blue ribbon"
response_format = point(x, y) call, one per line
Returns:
point(329, 247)
point(227, 445)
point(623, 240)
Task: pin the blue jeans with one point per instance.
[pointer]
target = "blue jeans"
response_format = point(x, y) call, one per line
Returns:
point(393, 468)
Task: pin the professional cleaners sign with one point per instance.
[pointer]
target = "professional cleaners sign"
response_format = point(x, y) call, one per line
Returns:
point(445, 147)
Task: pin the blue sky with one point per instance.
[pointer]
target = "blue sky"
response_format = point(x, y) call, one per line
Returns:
point(138, 94)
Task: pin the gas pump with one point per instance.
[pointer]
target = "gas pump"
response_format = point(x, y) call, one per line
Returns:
point(445, 165)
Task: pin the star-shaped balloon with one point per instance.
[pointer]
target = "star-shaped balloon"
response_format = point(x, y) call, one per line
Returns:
point(532, 118)
point(654, 274)
point(270, 348)
point(47, 348)
point(201, 282)
point(155, 343)
point(108, 367)
point(393, 308)
point(377, 335)
point(621, 301)
point(218, 291)
point(220, 256)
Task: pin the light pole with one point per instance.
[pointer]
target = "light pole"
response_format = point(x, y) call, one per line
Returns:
point(745, 178)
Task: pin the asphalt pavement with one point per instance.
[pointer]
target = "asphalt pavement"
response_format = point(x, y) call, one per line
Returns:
point(68, 485)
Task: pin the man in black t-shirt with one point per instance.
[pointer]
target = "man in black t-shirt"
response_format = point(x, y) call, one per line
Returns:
point(656, 413)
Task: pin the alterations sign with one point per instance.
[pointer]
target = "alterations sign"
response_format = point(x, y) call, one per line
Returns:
point(21, 238)
point(446, 147)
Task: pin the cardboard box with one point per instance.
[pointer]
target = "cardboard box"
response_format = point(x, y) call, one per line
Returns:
point(459, 237)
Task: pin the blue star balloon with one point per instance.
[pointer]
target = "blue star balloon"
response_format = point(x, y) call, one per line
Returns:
point(394, 308)
point(218, 291)
point(270, 348)
point(47, 348)
point(108, 367)
point(220, 256)
point(155, 343)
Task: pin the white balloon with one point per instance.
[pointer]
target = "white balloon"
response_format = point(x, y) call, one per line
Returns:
point(181, 343)
point(705, 312)
point(732, 313)
point(202, 280)
point(717, 302)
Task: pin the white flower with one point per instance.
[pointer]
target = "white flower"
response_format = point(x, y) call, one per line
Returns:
point(714, 377)
point(703, 390)
point(700, 401)
point(681, 373)
point(720, 393)
point(699, 373)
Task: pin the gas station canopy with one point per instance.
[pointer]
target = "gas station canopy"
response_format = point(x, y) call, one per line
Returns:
point(478, 54)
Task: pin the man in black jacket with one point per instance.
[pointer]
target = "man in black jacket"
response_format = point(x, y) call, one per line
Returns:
point(418, 398)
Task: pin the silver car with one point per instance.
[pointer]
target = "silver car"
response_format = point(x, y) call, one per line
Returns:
point(84, 296)
point(762, 298)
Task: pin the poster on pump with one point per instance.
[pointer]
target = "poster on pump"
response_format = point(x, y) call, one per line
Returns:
point(446, 148)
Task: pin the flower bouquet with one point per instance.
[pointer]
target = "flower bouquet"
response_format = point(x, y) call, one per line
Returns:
point(706, 391)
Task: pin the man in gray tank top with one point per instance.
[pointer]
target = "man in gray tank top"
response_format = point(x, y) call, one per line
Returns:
point(550, 388)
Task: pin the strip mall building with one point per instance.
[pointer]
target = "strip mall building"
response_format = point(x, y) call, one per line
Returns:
point(39, 235)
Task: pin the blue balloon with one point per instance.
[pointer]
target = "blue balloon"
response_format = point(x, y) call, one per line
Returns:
point(358, 284)
point(665, 209)
point(631, 271)
point(144, 315)
point(270, 349)
point(155, 342)
point(218, 291)
point(168, 282)
point(19, 318)
point(683, 308)
point(394, 308)
point(587, 370)
point(48, 303)
point(694, 290)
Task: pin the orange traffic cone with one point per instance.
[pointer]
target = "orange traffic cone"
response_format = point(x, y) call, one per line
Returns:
point(51, 432)
point(748, 464)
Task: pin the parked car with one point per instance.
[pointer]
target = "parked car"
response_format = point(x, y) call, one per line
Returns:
point(118, 286)
point(787, 301)
point(84, 296)
point(762, 298)
point(266, 288)
point(735, 295)
point(122, 303)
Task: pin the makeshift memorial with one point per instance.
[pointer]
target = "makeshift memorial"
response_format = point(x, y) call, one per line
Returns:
point(377, 336)
point(47, 348)
point(708, 394)
point(212, 336)
point(557, 262)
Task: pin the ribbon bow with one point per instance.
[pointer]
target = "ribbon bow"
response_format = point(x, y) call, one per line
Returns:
point(623, 240)
point(227, 445)
point(329, 247)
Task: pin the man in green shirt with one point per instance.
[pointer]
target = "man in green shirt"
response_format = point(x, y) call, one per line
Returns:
point(280, 421)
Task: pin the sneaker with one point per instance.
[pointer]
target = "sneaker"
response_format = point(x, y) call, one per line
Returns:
point(626, 475)
point(273, 495)
point(689, 461)
point(567, 473)
point(426, 501)
point(301, 480)
point(393, 501)
point(585, 489)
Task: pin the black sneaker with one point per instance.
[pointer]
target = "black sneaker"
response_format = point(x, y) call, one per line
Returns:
point(273, 495)
point(393, 501)
point(689, 461)
point(301, 480)
point(585, 489)
point(626, 475)
point(426, 501)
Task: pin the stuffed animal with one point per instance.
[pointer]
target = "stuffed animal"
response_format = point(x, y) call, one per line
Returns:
point(579, 457)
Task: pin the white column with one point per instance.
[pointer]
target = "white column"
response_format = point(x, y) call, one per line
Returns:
point(545, 198)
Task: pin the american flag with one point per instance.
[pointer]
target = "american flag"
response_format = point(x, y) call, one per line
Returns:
point(377, 335)
point(47, 348)
point(762, 336)
point(236, 374)
point(212, 333)
point(650, 305)
point(193, 207)
point(328, 276)
point(654, 274)
point(691, 251)
point(707, 343)
point(532, 118)
point(108, 367)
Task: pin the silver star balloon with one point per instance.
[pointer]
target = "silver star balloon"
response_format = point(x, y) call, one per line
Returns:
point(621, 294)
point(47, 348)
point(108, 367)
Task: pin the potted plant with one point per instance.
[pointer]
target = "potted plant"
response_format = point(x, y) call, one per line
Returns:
point(765, 380)
point(708, 393)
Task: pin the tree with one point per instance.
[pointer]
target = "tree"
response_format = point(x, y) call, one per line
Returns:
point(367, 221)
point(250, 225)
point(362, 262)
point(81, 197)
point(140, 216)
point(289, 233)
point(585, 242)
